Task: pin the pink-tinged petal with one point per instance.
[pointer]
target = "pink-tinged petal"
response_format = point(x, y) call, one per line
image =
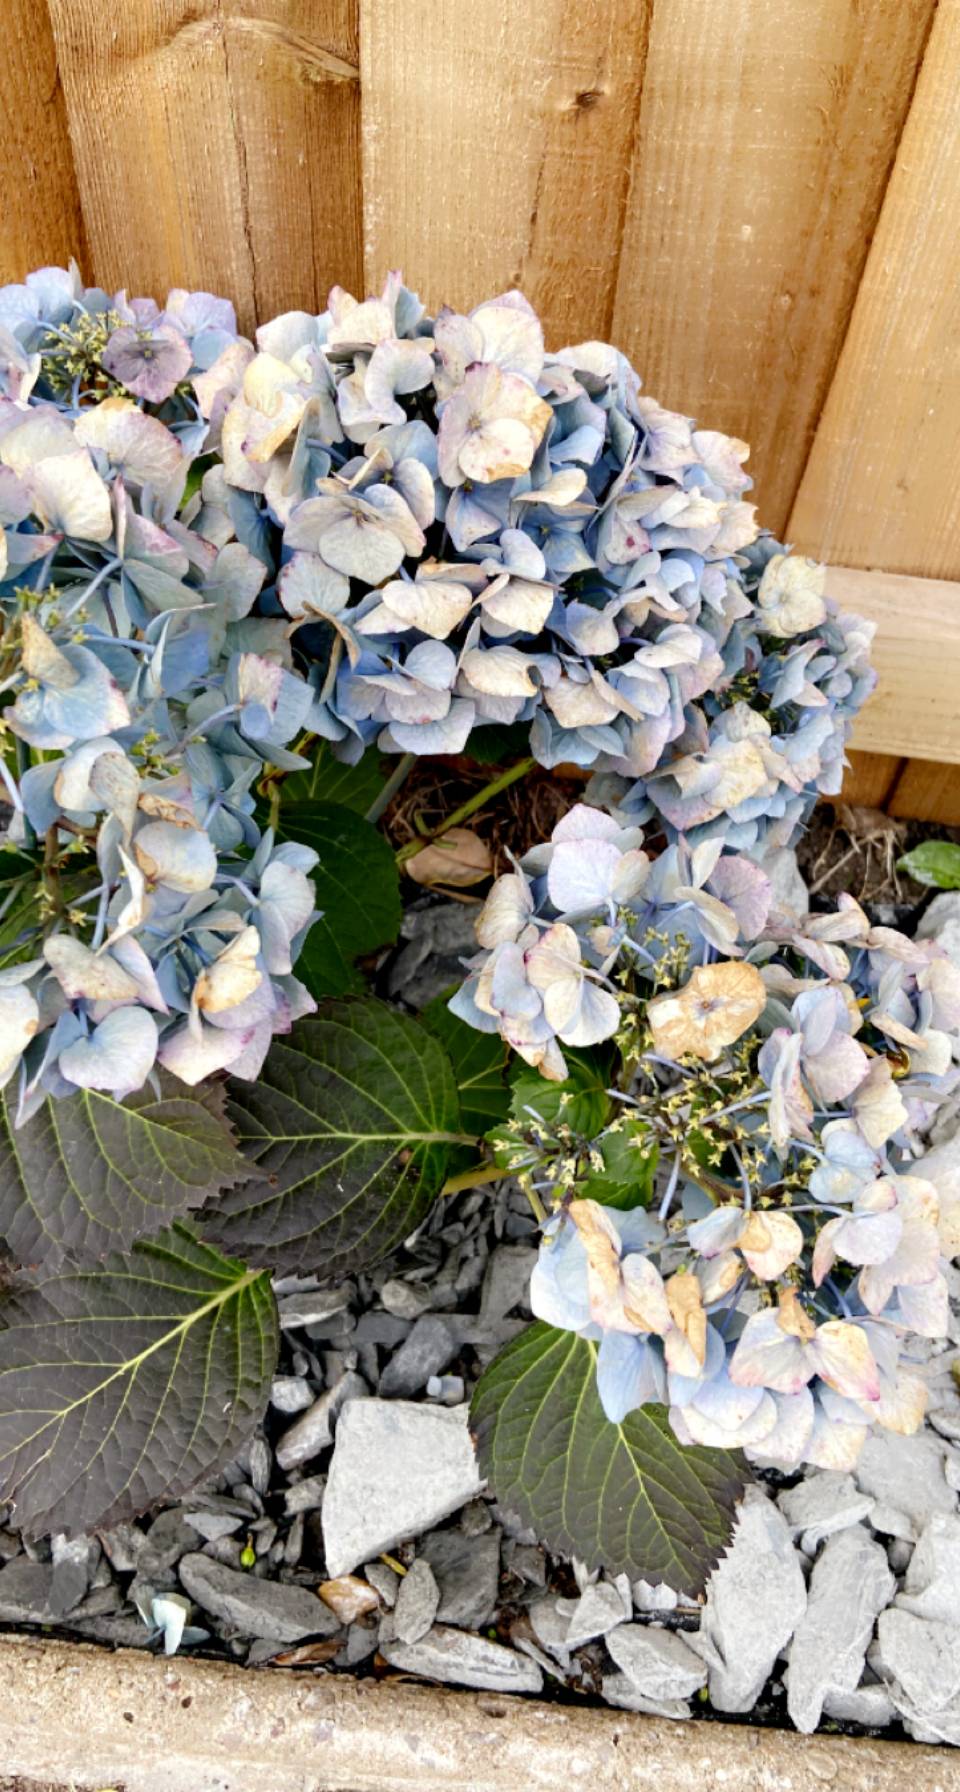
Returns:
point(192, 1056)
point(130, 955)
point(70, 496)
point(841, 1355)
point(767, 1356)
point(82, 973)
point(718, 1232)
point(878, 1104)
point(506, 911)
point(580, 879)
point(902, 1405)
point(597, 1017)
point(786, 1445)
point(790, 1110)
point(118, 1055)
point(837, 1070)
point(833, 1445)
point(182, 858)
point(139, 447)
point(915, 1260)
point(925, 1307)
point(770, 1242)
point(824, 1251)
point(746, 889)
point(724, 1416)
point(644, 1299)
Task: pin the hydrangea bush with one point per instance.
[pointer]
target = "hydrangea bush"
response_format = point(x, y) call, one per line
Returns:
point(774, 1074)
point(476, 532)
point(160, 925)
point(233, 575)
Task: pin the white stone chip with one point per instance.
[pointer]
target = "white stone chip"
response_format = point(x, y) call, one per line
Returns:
point(756, 1597)
point(851, 1583)
point(398, 1469)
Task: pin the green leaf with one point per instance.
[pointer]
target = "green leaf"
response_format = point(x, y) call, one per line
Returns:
point(479, 1064)
point(19, 889)
point(628, 1498)
point(935, 863)
point(499, 743)
point(358, 894)
point(128, 1380)
point(353, 1119)
point(629, 1168)
point(89, 1174)
point(581, 1100)
point(330, 781)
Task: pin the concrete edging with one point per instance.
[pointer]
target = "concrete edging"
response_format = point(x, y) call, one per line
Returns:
point(75, 1719)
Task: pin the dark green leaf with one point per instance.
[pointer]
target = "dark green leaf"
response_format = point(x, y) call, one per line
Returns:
point(501, 743)
point(581, 1100)
point(128, 1380)
point(935, 863)
point(628, 1498)
point(89, 1174)
point(358, 893)
point(19, 889)
point(479, 1064)
point(353, 1119)
point(330, 781)
point(629, 1168)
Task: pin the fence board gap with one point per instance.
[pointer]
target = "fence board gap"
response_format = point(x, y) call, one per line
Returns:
point(217, 149)
point(767, 130)
point(880, 487)
point(870, 778)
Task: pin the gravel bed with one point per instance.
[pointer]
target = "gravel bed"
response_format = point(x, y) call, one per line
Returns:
point(354, 1535)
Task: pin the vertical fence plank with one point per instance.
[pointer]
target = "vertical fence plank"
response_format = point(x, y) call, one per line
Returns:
point(767, 128)
point(881, 485)
point(496, 144)
point(927, 792)
point(40, 219)
point(216, 148)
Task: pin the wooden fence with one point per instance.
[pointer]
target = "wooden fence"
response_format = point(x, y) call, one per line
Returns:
point(759, 200)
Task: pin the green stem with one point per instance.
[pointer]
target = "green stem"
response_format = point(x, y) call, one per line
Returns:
point(23, 765)
point(397, 778)
point(468, 808)
point(474, 1178)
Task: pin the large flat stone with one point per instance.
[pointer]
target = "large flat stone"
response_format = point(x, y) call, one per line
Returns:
point(398, 1468)
point(851, 1583)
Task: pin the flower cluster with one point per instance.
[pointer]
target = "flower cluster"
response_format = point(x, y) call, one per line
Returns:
point(476, 531)
point(779, 1073)
point(65, 344)
point(145, 920)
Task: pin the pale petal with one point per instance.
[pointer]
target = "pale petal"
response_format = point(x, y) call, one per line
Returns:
point(182, 858)
point(118, 1055)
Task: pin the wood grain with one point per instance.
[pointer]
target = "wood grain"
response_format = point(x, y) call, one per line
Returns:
point(916, 651)
point(217, 144)
point(496, 149)
point(881, 486)
point(766, 134)
point(926, 792)
point(40, 219)
point(870, 778)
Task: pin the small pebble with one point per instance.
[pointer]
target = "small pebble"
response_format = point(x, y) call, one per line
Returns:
point(291, 1393)
point(296, 1310)
point(418, 1598)
point(349, 1597)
